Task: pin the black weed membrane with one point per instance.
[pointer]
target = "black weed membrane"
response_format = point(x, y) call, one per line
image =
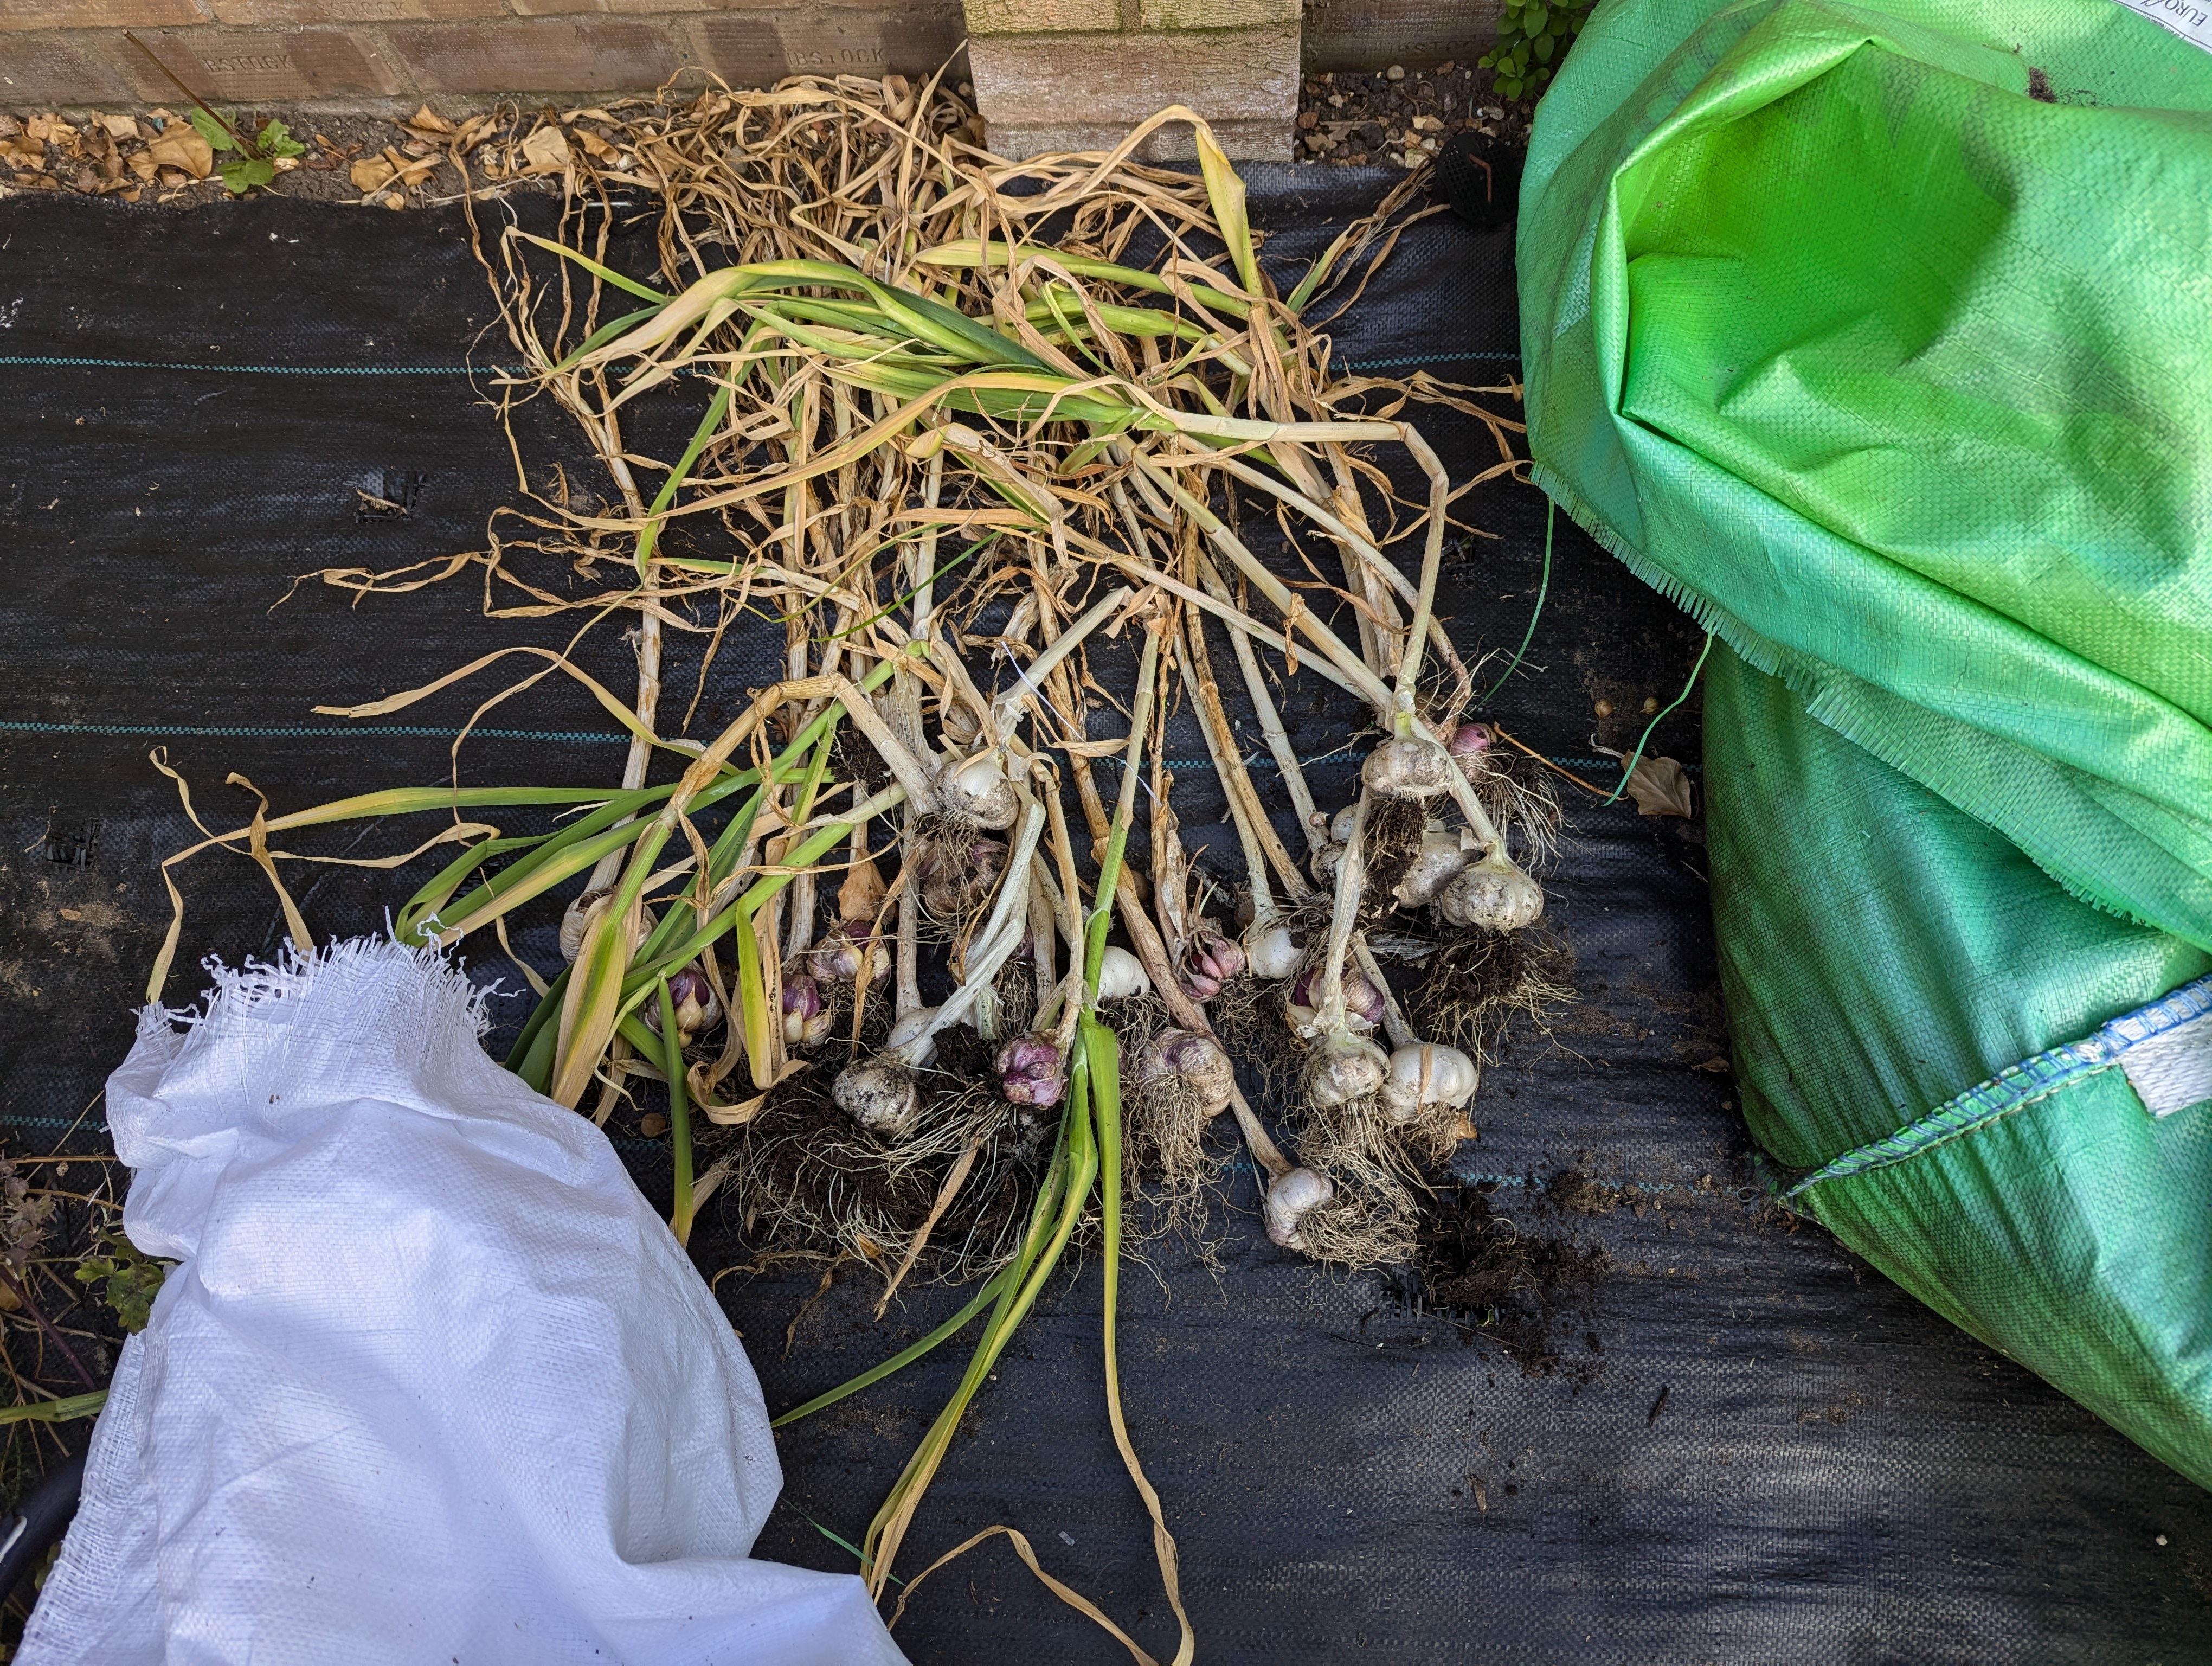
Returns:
point(1618, 1408)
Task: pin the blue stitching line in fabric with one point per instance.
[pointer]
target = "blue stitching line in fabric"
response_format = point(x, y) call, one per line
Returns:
point(57, 361)
point(2020, 1086)
point(54, 362)
point(415, 731)
point(308, 732)
point(1426, 358)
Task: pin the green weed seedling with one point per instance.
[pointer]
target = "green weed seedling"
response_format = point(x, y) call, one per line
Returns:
point(258, 153)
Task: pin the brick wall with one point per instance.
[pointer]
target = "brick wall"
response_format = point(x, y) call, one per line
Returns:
point(1064, 75)
point(1050, 74)
point(1373, 35)
point(372, 53)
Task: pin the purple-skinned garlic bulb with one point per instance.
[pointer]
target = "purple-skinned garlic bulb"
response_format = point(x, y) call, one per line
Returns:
point(1210, 960)
point(697, 1010)
point(1032, 1069)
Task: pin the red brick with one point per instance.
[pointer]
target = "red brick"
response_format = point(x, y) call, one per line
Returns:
point(752, 48)
point(269, 13)
point(745, 50)
point(47, 70)
point(1042, 82)
point(96, 14)
point(1215, 14)
point(1373, 35)
point(542, 55)
point(1242, 141)
point(263, 66)
point(1042, 16)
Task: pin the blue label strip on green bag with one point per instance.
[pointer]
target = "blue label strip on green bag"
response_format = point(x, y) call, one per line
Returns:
point(2165, 1048)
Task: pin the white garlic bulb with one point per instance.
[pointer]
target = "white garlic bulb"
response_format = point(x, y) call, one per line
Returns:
point(1427, 1074)
point(1290, 1200)
point(1442, 856)
point(1270, 951)
point(1406, 766)
point(1121, 973)
point(1345, 1067)
point(1493, 893)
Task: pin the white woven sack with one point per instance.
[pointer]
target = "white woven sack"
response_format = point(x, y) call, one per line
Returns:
point(430, 1383)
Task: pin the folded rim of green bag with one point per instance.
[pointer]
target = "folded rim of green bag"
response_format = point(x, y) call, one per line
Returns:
point(1874, 360)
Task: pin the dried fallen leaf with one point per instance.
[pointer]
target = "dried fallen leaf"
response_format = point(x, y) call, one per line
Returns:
point(371, 173)
point(47, 127)
point(183, 149)
point(8, 125)
point(176, 178)
point(1715, 1066)
point(120, 127)
point(1660, 788)
point(142, 166)
point(652, 1125)
point(546, 151)
point(597, 148)
point(70, 913)
point(428, 120)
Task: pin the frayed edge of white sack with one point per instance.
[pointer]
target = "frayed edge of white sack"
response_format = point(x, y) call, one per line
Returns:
point(256, 989)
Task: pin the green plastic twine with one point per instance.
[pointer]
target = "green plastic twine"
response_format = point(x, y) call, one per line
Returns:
point(1644, 739)
point(1544, 589)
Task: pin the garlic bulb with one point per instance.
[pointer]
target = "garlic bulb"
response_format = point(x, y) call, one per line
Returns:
point(879, 1094)
point(1192, 1061)
point(1364, 1005)
point(1121, 973)
point(1344, 1067)
point(1469, 746)
point(1210, 960)
point(1427, 1074)
point(909, 1032)
point(958, 874)
point(1405, 767)
point(576, 920)
point(1032, 1070)
point(1270, 950)
point(696, 1009)
point(836, 957)
point(1491, 892)
point(978, 792)
point(1326, 859)
point(804, 1022)
point(1442, 856)
point(1340, 828)
point(1289, 1199)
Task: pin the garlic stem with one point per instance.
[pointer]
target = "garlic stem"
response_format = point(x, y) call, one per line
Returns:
point(1263, 705)
point(1030, 678)
point(1368, 551)
point(1432, 555)
point(1394, 1021)
point(1256, 862)
point(1351, 877)
point(1228, 763)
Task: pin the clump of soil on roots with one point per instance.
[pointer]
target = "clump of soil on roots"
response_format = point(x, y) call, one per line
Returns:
point(808, 1176)
point(1388, 844)
point(1505, 1285)
point(1469, 993)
